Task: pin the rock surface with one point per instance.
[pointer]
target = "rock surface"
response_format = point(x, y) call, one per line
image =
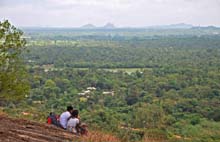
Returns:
point(20, 130)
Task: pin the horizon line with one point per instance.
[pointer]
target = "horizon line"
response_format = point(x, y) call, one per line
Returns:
point(122, 27)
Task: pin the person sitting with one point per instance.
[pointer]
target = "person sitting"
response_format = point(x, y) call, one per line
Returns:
point(53, 119)
point(74, 125)
point(73, 122)
point(64, 117)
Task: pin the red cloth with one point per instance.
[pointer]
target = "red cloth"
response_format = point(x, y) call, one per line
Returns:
point(49, 120)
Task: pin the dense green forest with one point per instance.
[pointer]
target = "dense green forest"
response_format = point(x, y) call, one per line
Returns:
point(163, 84)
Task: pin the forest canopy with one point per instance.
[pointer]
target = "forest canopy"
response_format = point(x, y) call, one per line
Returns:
point(137, 84)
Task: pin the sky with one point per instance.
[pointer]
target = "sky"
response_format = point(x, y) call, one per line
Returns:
point(122, 13)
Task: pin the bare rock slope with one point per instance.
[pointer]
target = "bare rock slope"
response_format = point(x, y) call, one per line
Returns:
point(19, 130)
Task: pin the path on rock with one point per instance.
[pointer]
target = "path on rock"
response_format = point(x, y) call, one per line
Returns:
point(21, 130)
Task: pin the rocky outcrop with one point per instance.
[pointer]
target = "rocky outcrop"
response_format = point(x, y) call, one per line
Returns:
point(20, 130)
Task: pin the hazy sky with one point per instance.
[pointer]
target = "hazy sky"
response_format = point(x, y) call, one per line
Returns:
point(133, 13)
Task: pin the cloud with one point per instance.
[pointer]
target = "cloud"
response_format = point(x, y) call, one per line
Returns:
point(68, 3)
point(119, 12)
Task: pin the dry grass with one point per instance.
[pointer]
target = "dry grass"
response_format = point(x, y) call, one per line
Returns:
point(2, 112)
point(97, 136)
point(154, 138)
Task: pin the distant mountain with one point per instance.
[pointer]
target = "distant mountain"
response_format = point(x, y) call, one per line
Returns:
point(180, 26)
point(106, 26)
point(112, 26)
point(207, 27)
point(173, 26)
point(109, 26)
point(88, 26)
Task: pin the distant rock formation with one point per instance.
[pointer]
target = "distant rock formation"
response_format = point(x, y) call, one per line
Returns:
point(109, 26)
point(91, 26)
point(88, 26)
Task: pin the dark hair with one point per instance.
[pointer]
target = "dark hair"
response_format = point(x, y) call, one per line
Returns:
point(75, 113)
point(69, 108)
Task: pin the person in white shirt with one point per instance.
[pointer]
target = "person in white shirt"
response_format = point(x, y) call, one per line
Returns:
point(73, 123)
point(65, 116)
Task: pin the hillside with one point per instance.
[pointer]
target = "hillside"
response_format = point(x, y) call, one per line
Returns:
point(21, 130)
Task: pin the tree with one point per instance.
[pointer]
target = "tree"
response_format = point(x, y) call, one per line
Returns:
point(50, 89)
point(14, 83)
